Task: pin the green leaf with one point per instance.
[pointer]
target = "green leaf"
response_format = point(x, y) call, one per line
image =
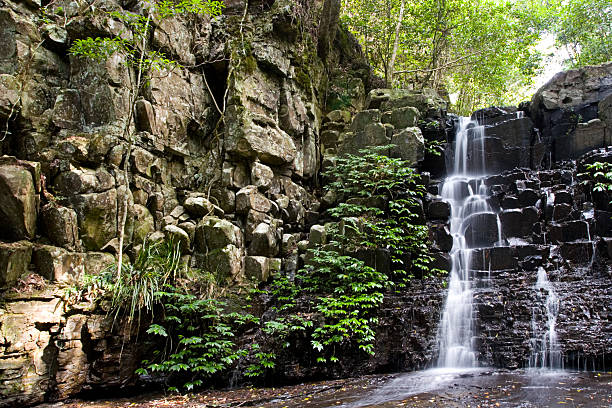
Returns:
point(157, 330)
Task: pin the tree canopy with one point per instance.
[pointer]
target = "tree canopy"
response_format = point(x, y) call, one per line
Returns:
point(481, 52)
point(584, 28)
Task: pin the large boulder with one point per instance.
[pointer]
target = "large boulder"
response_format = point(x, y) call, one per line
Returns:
point(214, 233)
point(264, 241)
point(317, 236)
point(219, 248)
point(58, 265)
point(261, 139)
point(18, 202)
point(363, 119)
point(426, 101)
point(268, 56)
point(15, 259)
point(585, 137)
point(73, 362)
point(493, 259)
point(438, 210)
point(257, 268)
point(249, 198)
point(373, 134)
point(518, 223)
point(262, 176)
point(60, 225)
point(408, 144)
point(481, 230)
point(199, 205)
point(402, 118)
point(97, 216)
point(565, 107)
point(142, 161)
point(178, 235)
point(82, 181)
point(226, 263)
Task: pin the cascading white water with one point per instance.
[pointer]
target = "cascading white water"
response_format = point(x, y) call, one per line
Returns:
point(466, 193)
point(587, 216)
point(545, 350)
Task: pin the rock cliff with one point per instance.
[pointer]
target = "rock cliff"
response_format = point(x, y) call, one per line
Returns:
point(224, 158)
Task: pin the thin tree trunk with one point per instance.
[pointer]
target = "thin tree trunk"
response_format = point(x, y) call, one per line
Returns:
point(126, 163)
point(391, 66)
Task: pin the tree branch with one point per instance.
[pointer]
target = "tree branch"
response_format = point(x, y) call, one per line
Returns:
point(449, 64)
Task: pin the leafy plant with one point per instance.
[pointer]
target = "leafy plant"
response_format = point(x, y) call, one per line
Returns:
point(136, 288)
point(434, 147)
point(134, 291)
point(382, 192)
point(599, 174)
point(348, 291)
point(198, 338)
point(377, 198)
point(263, 361)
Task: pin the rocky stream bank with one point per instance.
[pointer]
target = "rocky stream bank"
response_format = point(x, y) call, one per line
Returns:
point(484, 389)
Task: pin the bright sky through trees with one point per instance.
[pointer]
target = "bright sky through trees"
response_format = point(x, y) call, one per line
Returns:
point(481, 52)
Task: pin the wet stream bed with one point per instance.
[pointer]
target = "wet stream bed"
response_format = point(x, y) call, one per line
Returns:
point(431, 388)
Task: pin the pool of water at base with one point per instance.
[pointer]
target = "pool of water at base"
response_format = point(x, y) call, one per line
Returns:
point(435, 388)
point(479, 387)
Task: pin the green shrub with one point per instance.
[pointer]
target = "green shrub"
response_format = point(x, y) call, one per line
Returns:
point(599, 176)
point(376, 209)
point(198, 339)
point(364, 182)
point(135, 290)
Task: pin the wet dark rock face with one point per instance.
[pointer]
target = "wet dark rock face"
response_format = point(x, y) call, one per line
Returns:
point(573, 111)
point(572, 249)
point(550, 219)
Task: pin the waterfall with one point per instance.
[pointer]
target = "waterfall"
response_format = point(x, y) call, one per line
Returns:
point(545, 351)
point(588, 216)
point(472, 220)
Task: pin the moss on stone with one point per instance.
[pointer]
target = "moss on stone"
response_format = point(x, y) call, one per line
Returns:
point(250, 64)
point(303, 79)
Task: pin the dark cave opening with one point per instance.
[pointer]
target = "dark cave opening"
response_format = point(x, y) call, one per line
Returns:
point(216, 74)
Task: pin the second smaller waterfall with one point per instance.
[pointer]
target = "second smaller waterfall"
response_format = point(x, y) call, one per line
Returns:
point(545, 352)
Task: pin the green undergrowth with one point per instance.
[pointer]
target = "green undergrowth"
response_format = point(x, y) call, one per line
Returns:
point(375, 216)
point(198, 332)
point(599, 177)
